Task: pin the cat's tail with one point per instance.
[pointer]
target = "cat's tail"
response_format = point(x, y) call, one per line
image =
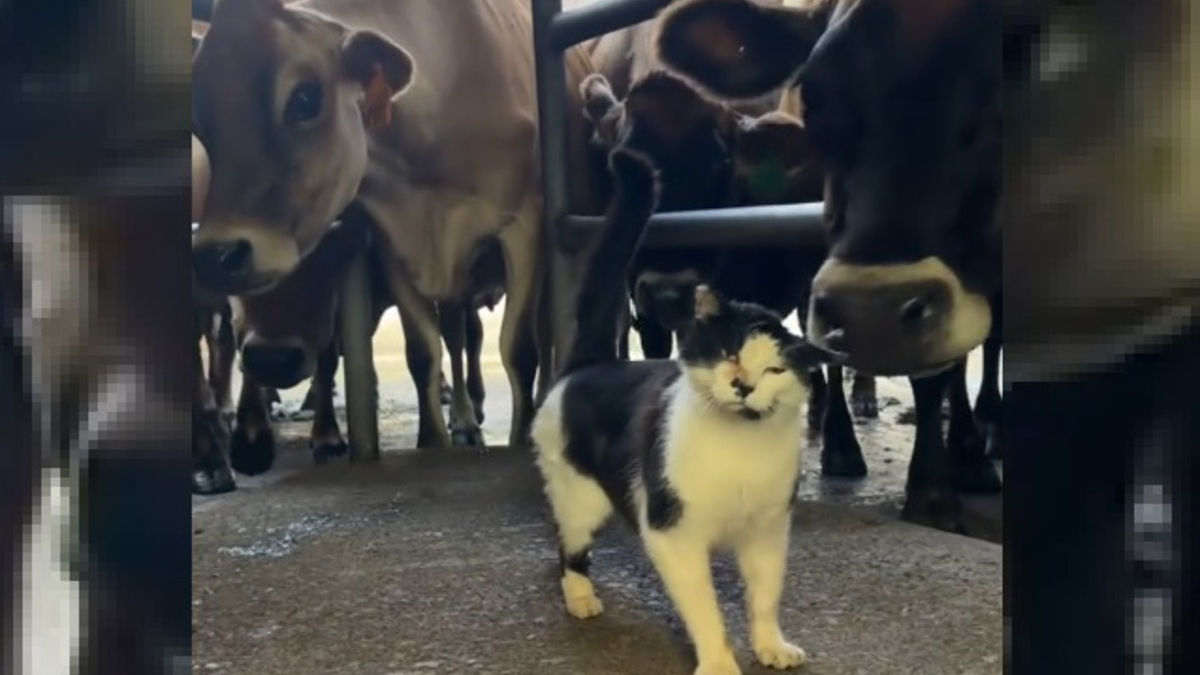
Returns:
point(602, 291)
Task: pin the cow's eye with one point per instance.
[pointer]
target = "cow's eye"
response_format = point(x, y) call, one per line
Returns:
point(304, 103)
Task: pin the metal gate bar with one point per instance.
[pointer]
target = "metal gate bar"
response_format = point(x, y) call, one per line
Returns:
point(555, 31)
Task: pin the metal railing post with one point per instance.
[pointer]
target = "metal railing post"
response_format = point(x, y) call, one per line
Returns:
point(354, 307)
point(552, 129)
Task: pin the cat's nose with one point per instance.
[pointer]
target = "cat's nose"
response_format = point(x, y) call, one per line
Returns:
point(742, 388)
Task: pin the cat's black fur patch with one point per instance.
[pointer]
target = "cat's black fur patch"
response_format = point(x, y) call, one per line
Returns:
point(579, 562)
point(613, 416)
point(717, 337)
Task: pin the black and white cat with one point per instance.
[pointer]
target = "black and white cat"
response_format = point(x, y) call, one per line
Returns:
point(698, 453)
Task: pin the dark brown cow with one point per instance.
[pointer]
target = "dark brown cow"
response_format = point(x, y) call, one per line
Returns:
point(311, 107)
point(709, 155)
point(627, 56)
point(901, 102)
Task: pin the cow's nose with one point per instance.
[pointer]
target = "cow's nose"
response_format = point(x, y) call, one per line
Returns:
point(887, 327)
point(274, 365)
point(223, 264)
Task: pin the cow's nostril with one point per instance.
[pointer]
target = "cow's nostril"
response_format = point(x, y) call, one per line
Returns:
point(916, 311)
point(234, 258)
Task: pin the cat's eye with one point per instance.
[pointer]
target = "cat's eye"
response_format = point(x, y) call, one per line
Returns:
point(776, 370)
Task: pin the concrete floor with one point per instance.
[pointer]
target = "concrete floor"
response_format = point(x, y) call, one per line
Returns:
point(444, 562)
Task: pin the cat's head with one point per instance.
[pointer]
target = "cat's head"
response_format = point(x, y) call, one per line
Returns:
point(740, 359)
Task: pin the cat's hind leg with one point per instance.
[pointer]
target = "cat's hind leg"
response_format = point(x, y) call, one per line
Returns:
point(762, 559)
point(685, 567)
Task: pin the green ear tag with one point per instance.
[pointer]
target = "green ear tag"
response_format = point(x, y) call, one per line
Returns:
point(767, 181)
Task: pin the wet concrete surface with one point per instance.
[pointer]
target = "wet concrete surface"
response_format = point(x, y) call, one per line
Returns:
point(444, 562)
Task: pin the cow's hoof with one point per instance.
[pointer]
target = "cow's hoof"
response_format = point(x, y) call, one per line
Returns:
point(850, 465)
point(433, 438)
point(864, 406)
point(841, 455)
point(939, 509)
point(326, 451)
point(977, 477)
point(466, 437)
point(212, 480)
point(994, 448)
point(816, 416)
point(252, 456)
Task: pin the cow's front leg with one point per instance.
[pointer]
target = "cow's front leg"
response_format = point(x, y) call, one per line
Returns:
point(210, 437)
point(252, 448)
point(475, 362)
point(518, 330)
point(326, 440)
point(974, 473)
point(423, 351)
point(988, 405)
point(464, 428)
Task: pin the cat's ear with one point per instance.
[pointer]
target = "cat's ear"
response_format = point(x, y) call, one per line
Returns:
point(805, 356)
point(708, 303)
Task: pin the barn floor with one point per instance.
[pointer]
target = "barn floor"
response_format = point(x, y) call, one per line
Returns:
point(444, 563)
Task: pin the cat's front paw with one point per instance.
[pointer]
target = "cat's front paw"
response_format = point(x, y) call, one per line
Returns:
point(726, 665)
point(584, 606)
point(780, 654)
point(580, 597)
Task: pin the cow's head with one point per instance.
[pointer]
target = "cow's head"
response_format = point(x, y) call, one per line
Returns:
point(901, 102)
point(282, 99)
point(708, 156)
point(281, 331)
point(687, 135)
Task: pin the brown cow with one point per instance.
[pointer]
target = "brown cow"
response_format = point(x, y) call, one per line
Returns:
point(310, 107)
point(289, 333)
point(901, 102)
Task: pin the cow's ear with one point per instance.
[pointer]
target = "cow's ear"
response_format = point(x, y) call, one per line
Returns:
point(383, 69)
point(739, 48)
point(774, 162)
point(672, 109)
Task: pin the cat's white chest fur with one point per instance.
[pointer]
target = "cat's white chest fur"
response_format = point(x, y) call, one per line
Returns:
point(728, 472)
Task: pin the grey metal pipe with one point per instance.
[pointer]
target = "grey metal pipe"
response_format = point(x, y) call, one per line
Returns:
point(354, 308)
point(552, 129)
point(568, 29)
point(790, 224)
point(202, 10)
